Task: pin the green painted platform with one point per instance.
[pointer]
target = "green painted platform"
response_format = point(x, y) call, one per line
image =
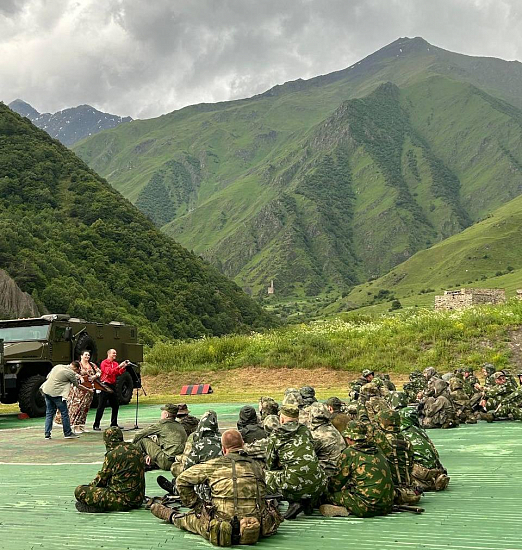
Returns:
point(480, 510)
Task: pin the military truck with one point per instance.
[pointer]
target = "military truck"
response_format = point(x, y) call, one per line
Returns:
point(29, 349)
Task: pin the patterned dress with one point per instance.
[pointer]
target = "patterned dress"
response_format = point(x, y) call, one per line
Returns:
point(79, 400)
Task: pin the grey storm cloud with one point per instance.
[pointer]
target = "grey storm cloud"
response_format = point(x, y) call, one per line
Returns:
point(144, 58)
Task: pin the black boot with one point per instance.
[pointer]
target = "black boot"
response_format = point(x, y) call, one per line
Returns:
point(165, 484)
point(85, 508)
point(294, 509)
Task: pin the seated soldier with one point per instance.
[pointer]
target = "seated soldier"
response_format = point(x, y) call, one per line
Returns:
point(189, 422)
point(292, 466)
point(399, 454)
point(386, 380)
point(437, 411)
point(257, 449)
point(416, 384)
point(364, 486)
point(237, 512)
point(461, 401)
point(267, 407)
point(120, 484)
point(428, 472)
point(308, 395)
point(501, 401)
point(248, 425)
point(372, 397)
point(204, 444)
point(328, 442)
point(339, 419)
point(163, 441)
point(366, 377)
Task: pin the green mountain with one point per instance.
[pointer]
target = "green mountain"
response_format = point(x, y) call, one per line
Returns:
point(486, 255)
point(325, 183)
point(77, 246)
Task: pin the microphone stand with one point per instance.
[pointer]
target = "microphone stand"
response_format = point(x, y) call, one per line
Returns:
point(136, 427)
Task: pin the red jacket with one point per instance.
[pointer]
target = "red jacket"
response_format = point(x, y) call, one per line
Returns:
point(110, 371)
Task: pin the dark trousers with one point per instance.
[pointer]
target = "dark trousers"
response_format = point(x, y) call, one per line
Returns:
point(106, 399)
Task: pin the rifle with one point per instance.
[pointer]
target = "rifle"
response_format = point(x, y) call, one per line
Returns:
point(405, 508)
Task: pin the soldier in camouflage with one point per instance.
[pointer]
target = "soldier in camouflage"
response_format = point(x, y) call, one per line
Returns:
point(163, 441)
point(267, 406)
point(339, 418)
point(189, 422)
point(501, 401)
point(399, 454)
point(428, 472)
point(328, 442)
point(258, 448)
point(364, 486)
point(488, 370)
point(120, 484)
point(238, 512)
point(248, 425)
point(292, 396)
point(437, 410)
point(417, 383)
point(366, 377)
point(308, 395)
point(293, 469)
point(461, 401)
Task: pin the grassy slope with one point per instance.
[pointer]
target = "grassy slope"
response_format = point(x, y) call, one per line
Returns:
point(480, 256)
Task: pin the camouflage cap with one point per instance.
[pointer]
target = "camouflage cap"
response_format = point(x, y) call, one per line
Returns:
point(271, 423)
point(356, 431)
point(499, 374)
point(307, 391)
point(170, 408)
point(367, 372)
point(292, 411)
point(398, 399)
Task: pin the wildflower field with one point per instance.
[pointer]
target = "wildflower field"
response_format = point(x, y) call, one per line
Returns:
point(396, 343)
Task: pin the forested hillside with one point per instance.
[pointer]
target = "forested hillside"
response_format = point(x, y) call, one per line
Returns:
point(78, 247)
point(326, 183)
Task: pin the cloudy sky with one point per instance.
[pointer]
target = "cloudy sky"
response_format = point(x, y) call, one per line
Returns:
point(144, 58)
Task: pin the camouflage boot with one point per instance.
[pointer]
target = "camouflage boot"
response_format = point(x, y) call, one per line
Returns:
point(441, 482)
point(162, 512)
point(332, 511)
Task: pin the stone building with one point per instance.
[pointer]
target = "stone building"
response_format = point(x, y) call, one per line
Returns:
point(467, 297)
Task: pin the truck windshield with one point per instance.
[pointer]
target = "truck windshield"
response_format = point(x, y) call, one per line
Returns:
point(21, 334)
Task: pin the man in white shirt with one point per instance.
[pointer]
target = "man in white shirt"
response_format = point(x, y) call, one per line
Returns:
point(55, 389)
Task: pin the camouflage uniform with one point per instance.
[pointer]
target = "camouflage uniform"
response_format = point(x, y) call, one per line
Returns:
point(428, 472)
point(162, 442)
point(180, 461)
point(328, 442)
point(206, 443)
point(355, 387)
point(248, 425)
point(372, 397)
point(438, 410)
point(488, 370)
point(292, 465)
point(502, 401)
point(461, 401)
point(190, 423)
point(399, 454)
point(386, 380)
point(308, 395)
point(267, 407)
point(417, 383)
point(293, 397)
point(364, 484)
point(258, 448)
point(218, 474)
point(120, 484)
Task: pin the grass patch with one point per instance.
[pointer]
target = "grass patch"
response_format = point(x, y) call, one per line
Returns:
point(398, 343)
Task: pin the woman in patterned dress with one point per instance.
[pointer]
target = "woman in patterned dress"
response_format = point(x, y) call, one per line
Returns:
point(80, 398)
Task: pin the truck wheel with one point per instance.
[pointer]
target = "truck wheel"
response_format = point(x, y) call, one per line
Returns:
point(86, 342)
point(124, 387)
point(30, 399)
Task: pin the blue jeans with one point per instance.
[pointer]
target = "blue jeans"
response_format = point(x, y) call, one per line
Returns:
point(51, 405)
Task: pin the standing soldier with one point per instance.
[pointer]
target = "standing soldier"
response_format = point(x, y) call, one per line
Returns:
point(292, 466)
point(120, 484)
